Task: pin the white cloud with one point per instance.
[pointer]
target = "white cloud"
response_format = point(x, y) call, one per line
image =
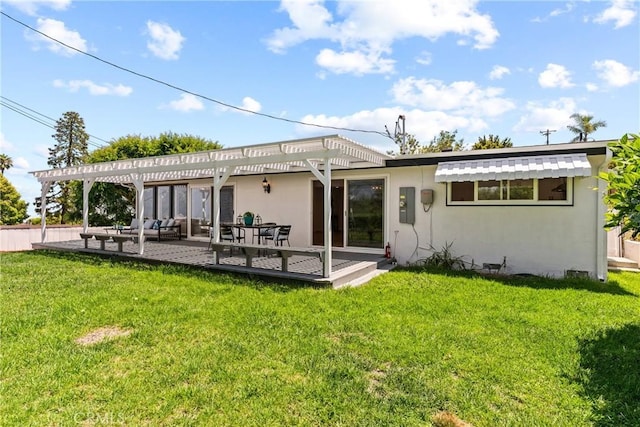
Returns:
point(622, 12)
point(251, 104)
point(554, 116)
point(5, 145)
point(424, 58)
point(21, 164)
point(165, 42)
point(615, 73)
point(356, 62)
point(498, 72)
point(567, 8)
point(365, 31)
point(592, 87)
point(186, 103)
point(94, 88)
point(57, 30)
point(461, 97)
point(555, 76)
point(30, 7)
point(423, 124)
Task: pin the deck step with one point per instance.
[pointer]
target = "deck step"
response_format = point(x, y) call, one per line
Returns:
point(619, 262)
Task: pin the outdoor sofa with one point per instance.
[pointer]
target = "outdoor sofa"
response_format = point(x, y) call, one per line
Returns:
point(169, 228)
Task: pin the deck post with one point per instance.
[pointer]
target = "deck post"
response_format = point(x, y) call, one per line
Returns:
point(138, 182)
point(43, 210)
point(87, 183)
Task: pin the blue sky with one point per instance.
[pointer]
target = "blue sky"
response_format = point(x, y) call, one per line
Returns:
point(508, 68)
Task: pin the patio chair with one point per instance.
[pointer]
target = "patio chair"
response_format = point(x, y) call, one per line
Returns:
point(226, 234)
point(263, 232)
point(281, 235)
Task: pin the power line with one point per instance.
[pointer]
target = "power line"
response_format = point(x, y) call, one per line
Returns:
point(19, 108)
point(269, 116)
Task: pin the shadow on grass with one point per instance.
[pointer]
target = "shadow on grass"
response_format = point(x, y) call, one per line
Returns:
point(200, 273)
point(536, 282)
point(611, 369)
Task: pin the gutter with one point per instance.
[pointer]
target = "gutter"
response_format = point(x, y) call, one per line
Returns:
point(601, 235)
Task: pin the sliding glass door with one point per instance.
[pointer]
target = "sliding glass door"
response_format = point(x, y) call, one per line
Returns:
point(365, 207)
point(364, 202)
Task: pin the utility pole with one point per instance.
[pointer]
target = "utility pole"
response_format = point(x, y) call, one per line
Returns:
point(546, 133)
point(404, 134)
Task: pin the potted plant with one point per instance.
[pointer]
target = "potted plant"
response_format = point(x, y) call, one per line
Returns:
point(248, 218)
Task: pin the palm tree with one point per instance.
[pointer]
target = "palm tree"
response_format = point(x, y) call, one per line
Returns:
point(5, 163)
point(584, 126)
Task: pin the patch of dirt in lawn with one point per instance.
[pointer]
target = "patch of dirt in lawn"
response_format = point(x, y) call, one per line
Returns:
point(105, 333)
point(376, 378)
point(447, 419)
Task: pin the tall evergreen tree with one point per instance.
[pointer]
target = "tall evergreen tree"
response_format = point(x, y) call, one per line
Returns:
point(493, 141)
point(6, 162)
point(584, 126)
point(13, 210)
point(70, 150)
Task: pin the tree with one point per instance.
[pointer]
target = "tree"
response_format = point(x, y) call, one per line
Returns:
point(5, 163)
point(623, 178)
point(406, 145)
point(445, 141)
point(584, 126)
point(13, 210)
point(70, 150)
point(111, 203)
point(493, 141)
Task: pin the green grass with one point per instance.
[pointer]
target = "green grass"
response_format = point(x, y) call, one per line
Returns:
point(211, 349)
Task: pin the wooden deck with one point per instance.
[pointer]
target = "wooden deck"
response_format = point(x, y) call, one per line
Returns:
point(348, 269)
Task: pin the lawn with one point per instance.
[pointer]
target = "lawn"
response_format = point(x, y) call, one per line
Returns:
point(211, 349)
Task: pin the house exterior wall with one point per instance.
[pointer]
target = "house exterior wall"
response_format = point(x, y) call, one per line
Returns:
point(288, 203)
point(541, 240)
point(538, 239)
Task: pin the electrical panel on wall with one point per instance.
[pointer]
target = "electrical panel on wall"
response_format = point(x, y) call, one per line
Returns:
point(426, 196)
point(407, 205)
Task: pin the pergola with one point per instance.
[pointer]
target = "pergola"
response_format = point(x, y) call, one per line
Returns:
point(319, 155)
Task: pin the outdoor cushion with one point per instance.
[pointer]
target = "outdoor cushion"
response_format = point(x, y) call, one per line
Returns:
point(171, 222)
point(164, 222)
point(156, 224)
point(134, 224)
point(148, 224)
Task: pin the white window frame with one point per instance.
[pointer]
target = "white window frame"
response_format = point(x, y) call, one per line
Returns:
point(502, 202)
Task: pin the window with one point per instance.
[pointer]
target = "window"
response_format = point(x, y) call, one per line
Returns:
point(462, 191)
point(554, 191)
point(164, 202)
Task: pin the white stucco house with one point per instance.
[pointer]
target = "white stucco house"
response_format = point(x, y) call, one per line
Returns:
point(535, 210)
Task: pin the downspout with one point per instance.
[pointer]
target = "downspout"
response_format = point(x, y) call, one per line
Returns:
point(601, 235)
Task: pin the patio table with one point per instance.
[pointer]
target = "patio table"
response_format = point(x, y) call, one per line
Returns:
point(258, 227)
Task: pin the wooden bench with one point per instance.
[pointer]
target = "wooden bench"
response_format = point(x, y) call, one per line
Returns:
point(285, 253)
point(121, 238)
point(104, 237)
point(250, 251)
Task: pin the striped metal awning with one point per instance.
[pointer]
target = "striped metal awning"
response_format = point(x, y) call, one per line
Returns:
point(552, 166)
